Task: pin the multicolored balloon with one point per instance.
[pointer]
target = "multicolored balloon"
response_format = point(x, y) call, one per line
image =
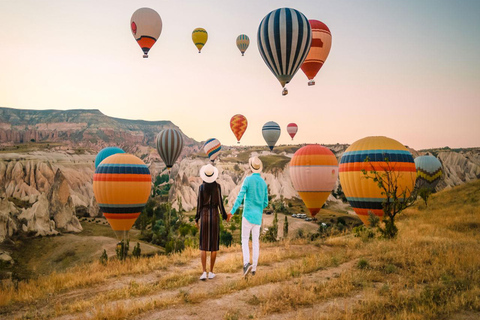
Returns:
point(212, 148)
point(292, 129)
point(238, 124)
point(199, 37)
point(319, 50)
point(314, 172)
point(363, 194)
point(271, 132)
point(121, 185)
point(429, 171)
point(242, 43)
point(105, 153)
point(169, 146)
point(146, 26)
point(284, 38)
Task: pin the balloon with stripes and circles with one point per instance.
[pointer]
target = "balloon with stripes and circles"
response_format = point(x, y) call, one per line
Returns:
point(284, 38)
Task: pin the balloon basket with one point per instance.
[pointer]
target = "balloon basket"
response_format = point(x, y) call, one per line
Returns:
point(122, 245)
point(145, 55)
point(311, 82)
point(284, 92)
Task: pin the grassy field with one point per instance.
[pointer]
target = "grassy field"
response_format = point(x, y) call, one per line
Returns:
point(430, 271)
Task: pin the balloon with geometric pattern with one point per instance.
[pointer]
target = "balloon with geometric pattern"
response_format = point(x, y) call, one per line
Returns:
point(146, 27)
point(429, 172)
point(242, 43)
point(199, 38)
point(238, 124)
point(319, 50)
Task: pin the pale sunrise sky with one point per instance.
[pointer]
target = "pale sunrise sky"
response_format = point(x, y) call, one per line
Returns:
point(409, 70)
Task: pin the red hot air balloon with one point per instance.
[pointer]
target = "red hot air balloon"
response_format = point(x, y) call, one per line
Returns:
point(238, 124)
point(319, 50)
point(292, 129)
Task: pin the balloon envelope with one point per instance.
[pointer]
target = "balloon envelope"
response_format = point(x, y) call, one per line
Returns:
point(199, 38)
point(146, 27)
point(271, 132)
point(105, 153)
point(242, 43)
point(429, 171)
point(363, 194)
point(121, 185)
point(319, 50)
point(169, 146)
point(292, 129)
point(284, 37)
point(314, 172)
point(238, 124)
point(212, 148)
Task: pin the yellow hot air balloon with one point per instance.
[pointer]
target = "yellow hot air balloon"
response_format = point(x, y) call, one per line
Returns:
point(199, 37)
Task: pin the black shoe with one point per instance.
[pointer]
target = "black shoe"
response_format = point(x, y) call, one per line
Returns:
point(253, 273)
point(246, 269)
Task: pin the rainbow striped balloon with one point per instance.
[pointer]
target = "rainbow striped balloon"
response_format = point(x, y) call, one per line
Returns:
point(363, 194)
point(429, 171)
point(121, 185)
point(314, 172)
point(212, 148)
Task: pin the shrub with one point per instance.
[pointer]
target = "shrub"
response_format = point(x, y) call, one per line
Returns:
point(137, 251)
point(104, 257)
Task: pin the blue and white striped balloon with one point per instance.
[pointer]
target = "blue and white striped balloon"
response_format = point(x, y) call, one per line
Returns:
point(284, 39)
point(212, 148)
point(271, 132)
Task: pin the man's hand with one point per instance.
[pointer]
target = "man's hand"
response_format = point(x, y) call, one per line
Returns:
point(229, 216)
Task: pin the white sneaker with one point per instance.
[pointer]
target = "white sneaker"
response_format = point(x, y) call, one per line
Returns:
point(211, 275)
point(203, 277)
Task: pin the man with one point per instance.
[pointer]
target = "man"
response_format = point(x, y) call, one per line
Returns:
point(254, 194)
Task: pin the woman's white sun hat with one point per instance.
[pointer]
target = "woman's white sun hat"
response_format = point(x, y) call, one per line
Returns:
point(208, 173)
point(255, 164)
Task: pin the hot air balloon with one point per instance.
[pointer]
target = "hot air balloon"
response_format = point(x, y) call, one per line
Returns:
point(314, 172)
point(238, 124)
point(121, 185)
point(363, 194)
point(319, 50)
point(169, 146)
point(199, 37)
point(212, 148)
point(242, 43)
point(105, 153)
point(271, 132)
point(284, 38)
point(429, 171)
point(292, 129)
point(146, 26)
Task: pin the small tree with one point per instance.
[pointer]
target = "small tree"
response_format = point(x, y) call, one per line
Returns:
point(275, 226)
point(104, 257)
point(285, 228)
point(137, 251)
point(425, 193)
point(396, 198)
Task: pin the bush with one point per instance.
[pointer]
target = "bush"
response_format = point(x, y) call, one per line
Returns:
point(362, 264)
point(226, 238)
point(363, 232)
point(137, 251)
point(104, 258)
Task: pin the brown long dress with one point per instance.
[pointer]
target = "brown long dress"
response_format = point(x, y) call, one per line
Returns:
point(209, 207)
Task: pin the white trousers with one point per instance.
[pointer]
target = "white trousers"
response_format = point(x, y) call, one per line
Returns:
point(248, 227)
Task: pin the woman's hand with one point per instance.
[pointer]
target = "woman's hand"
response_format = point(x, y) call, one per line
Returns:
point(229, 216)
point(196, 224)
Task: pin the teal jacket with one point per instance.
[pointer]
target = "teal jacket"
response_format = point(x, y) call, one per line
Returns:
point(255, 193)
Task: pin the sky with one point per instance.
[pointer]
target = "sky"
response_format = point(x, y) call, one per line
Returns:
point(409, 70)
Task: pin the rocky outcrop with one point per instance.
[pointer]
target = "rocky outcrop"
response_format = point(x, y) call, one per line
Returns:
point(8, 224)
point(459, 167)
point(37, 218)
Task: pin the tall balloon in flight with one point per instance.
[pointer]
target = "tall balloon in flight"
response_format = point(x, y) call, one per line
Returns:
point(429, 171)
point(284, 38)
point(363, 194)
point(146, 26)
point(169, 146)
point(314, 172)
point(212, 148)
point(238, 124)
point(105, 153)
point(242, 43)
point(292, 129)
point(319, 50)
point(199, 38)
point(271, 132)
point(121, 185)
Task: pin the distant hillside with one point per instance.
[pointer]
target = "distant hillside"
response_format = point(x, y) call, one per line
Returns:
point(79, 128)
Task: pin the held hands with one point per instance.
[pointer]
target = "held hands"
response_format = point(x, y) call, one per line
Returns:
point(229, 216)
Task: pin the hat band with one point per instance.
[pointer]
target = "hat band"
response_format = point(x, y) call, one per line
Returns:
point(209, 175)
point(256, 168)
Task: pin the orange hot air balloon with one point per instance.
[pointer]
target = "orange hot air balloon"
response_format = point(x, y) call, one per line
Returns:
point(146, 26)
point(121, 185)
point(314, 172)
point(238, 124)
point(319, 50)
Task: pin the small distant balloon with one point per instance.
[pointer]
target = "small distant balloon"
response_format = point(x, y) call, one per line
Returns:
point(105, 153)
point(169, 146)
point(271, 132)
point(199, 38)
point(429, 171)
point(212, 148)
point(242, 43)
point(238, 124)
point(146, 26)
point(292, 129)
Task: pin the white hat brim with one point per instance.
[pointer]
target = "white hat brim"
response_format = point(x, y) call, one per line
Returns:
point(206, 178)
point(253, 169)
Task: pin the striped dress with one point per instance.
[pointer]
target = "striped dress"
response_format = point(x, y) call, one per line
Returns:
point(209, 207)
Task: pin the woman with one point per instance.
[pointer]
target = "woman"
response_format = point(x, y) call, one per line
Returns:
point(209, 205)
